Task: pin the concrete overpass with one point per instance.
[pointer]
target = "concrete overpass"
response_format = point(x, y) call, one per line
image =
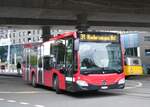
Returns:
point(124, 13)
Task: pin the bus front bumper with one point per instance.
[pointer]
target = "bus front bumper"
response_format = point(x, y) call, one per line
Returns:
point(91, 87)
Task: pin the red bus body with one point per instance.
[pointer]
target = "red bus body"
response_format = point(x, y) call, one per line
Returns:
point(73, 80)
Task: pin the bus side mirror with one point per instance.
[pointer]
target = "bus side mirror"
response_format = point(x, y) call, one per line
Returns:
point(76, 44)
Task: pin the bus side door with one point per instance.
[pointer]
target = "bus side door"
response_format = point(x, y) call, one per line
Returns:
point(27, 67)
point(40, 67)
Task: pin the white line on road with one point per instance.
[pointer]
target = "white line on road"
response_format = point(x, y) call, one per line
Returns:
point(1, 99)
point(11, 101)
point(24, 103)
point(138, 94)
point(138, 84)
point(39, 105)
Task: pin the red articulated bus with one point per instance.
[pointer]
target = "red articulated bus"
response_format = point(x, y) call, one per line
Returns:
point(76, 61)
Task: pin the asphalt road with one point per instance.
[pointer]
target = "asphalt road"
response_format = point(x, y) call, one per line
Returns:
point(14, 92)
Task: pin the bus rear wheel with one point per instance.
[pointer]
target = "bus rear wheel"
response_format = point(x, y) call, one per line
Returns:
point(34, 84)
point(56, 85)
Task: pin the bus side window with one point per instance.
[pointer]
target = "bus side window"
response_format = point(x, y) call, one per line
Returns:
point(69, 56)
point(52, 61)
point(58, 54)
point(61, 56)
point(47, 62)
point(53, 53)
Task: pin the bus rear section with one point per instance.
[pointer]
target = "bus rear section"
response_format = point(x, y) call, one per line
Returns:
point(77, 61)
point(133, 66)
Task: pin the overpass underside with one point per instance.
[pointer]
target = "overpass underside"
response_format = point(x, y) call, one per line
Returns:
point(124, 13)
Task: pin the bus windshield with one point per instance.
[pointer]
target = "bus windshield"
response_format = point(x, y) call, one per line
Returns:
point(99, 57)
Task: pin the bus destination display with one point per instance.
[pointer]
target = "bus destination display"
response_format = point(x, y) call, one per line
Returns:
point(99, 37)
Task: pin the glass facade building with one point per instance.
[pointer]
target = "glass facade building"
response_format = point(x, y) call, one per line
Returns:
point(130, 42)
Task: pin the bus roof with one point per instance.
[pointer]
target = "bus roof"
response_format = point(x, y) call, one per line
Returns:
point(66, 34)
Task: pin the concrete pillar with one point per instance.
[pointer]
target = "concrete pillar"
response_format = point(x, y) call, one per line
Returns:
point(46, 33)
point(82, 22)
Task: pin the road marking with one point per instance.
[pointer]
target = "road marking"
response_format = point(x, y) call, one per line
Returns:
point(24, 103)
point(145, 95)
point(1, 99)
point(11, 101)
point(138, 84)
point(39, 105)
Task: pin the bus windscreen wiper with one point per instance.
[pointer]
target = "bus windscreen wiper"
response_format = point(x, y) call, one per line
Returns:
point(91, 71)
point(101, 70)
point(111, 70)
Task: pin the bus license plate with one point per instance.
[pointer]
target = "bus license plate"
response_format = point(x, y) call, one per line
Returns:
point(104, 87)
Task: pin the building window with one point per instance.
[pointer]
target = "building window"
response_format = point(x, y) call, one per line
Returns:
point(19, 34)
point(147, 52)
point(33, 39)
point(29, 33)
point(33, 32)
point(23, 33)
point(37, 39)
point(13, 34)
point(38, 31)
point(131, 51)
point(6, 35)
point(10, 35)
point(29, 39)
point(23, 39)
point(19, 40)
point(14, 41)
point(146, 38)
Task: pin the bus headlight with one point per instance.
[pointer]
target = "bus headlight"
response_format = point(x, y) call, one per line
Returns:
point(82, 83)
point(121, 81)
